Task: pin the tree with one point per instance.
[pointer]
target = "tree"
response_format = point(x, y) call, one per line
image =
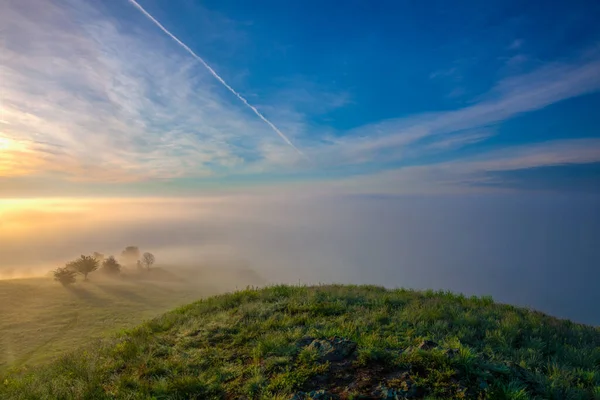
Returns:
point(84, 265)
point(111, 266)
point(64, 275)
point(99, 256)
point(130, 255)
point(148, 259)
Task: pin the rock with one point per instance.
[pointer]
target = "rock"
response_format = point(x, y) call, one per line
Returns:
point(315, 395)
point(335, 349)
point(399, 386)
point(385, 393)
point(389, 394)
point(451, 352)
point(428, 345)
point(305, 341)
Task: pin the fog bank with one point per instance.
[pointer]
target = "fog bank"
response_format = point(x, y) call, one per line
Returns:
point(532, 250)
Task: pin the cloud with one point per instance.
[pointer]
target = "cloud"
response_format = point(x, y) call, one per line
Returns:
point(87, 99)
point(515, 61)
point(217, 76)
point(456, 92)
point(510, 97)
point(452, 141)
point(444, 73)
point(476, 173)
point(552, 153)
point(516, 44)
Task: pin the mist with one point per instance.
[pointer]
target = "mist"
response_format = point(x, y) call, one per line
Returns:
point(533, 250)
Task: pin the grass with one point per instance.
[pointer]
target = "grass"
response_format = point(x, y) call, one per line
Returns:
point(40, 319)
point(283, 342)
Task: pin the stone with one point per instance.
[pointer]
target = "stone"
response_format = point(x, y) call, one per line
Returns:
point(315, 395)
point(428, 345)
point(334, 349)
point(452, 352)
point(385, 393)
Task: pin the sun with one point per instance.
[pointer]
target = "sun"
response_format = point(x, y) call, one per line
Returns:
point(15, 157)
point(7, 144)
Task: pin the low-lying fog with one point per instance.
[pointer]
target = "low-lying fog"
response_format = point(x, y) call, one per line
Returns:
point(536, 250)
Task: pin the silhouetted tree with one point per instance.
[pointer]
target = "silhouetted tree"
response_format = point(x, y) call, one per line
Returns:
point(84, 265)
point(64, 275)
point(111, 266)
point(130, 255)
point(148, 259)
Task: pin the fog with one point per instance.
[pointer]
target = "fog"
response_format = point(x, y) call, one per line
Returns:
point(540, 251)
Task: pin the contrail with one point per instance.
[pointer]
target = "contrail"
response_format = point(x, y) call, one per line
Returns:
point(213, 73)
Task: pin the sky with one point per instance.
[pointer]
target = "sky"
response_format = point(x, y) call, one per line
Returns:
point(179, 98)
point(424, 144)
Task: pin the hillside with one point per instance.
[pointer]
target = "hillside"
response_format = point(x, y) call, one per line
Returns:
point(330, 342)
point(40, 319)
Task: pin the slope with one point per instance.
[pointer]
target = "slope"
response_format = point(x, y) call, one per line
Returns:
point(330, 342)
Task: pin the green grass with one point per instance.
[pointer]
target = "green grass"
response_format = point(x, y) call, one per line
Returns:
point(40, 319)
point(272, 344)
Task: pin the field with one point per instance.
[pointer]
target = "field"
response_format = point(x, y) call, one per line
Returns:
point(330, 342)
point(40, 319)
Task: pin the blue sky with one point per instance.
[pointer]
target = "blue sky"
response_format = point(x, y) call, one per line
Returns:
point(372, 97)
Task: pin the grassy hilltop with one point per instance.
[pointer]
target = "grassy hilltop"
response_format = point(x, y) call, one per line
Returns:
point(330, 342)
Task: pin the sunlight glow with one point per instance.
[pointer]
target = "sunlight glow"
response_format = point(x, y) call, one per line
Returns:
point(16, 158)
point(6, 144)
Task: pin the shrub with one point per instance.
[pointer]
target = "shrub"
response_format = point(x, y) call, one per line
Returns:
point(130, 255)
point(111, 266)
point(64, 275)
point(84, 265)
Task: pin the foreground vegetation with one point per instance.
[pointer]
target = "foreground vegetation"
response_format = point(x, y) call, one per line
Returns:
point(331, 342)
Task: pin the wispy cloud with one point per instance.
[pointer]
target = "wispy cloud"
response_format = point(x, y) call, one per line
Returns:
point(217, 76)
point(86, 99)
point(456, 92)
point(444, 73)
point(512, 96)
point(461, 139)
point(476, 173)
point(516, 44)
point(515, 61)
point(534, 155)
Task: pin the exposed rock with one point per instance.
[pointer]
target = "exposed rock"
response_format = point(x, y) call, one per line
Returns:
point(483, 385)
point(428, 345)
point(398, 386)
point(305, 341)
point(334, 349)
point(314, 395)
point(396, 394)
point(451, 352)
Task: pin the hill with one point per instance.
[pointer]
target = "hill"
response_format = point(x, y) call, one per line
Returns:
point(40, 319)
point(330, 342)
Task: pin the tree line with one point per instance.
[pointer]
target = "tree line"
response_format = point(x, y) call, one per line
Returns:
point(85, 265)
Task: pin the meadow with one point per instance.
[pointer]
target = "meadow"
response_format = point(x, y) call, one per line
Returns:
point(40, 319)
